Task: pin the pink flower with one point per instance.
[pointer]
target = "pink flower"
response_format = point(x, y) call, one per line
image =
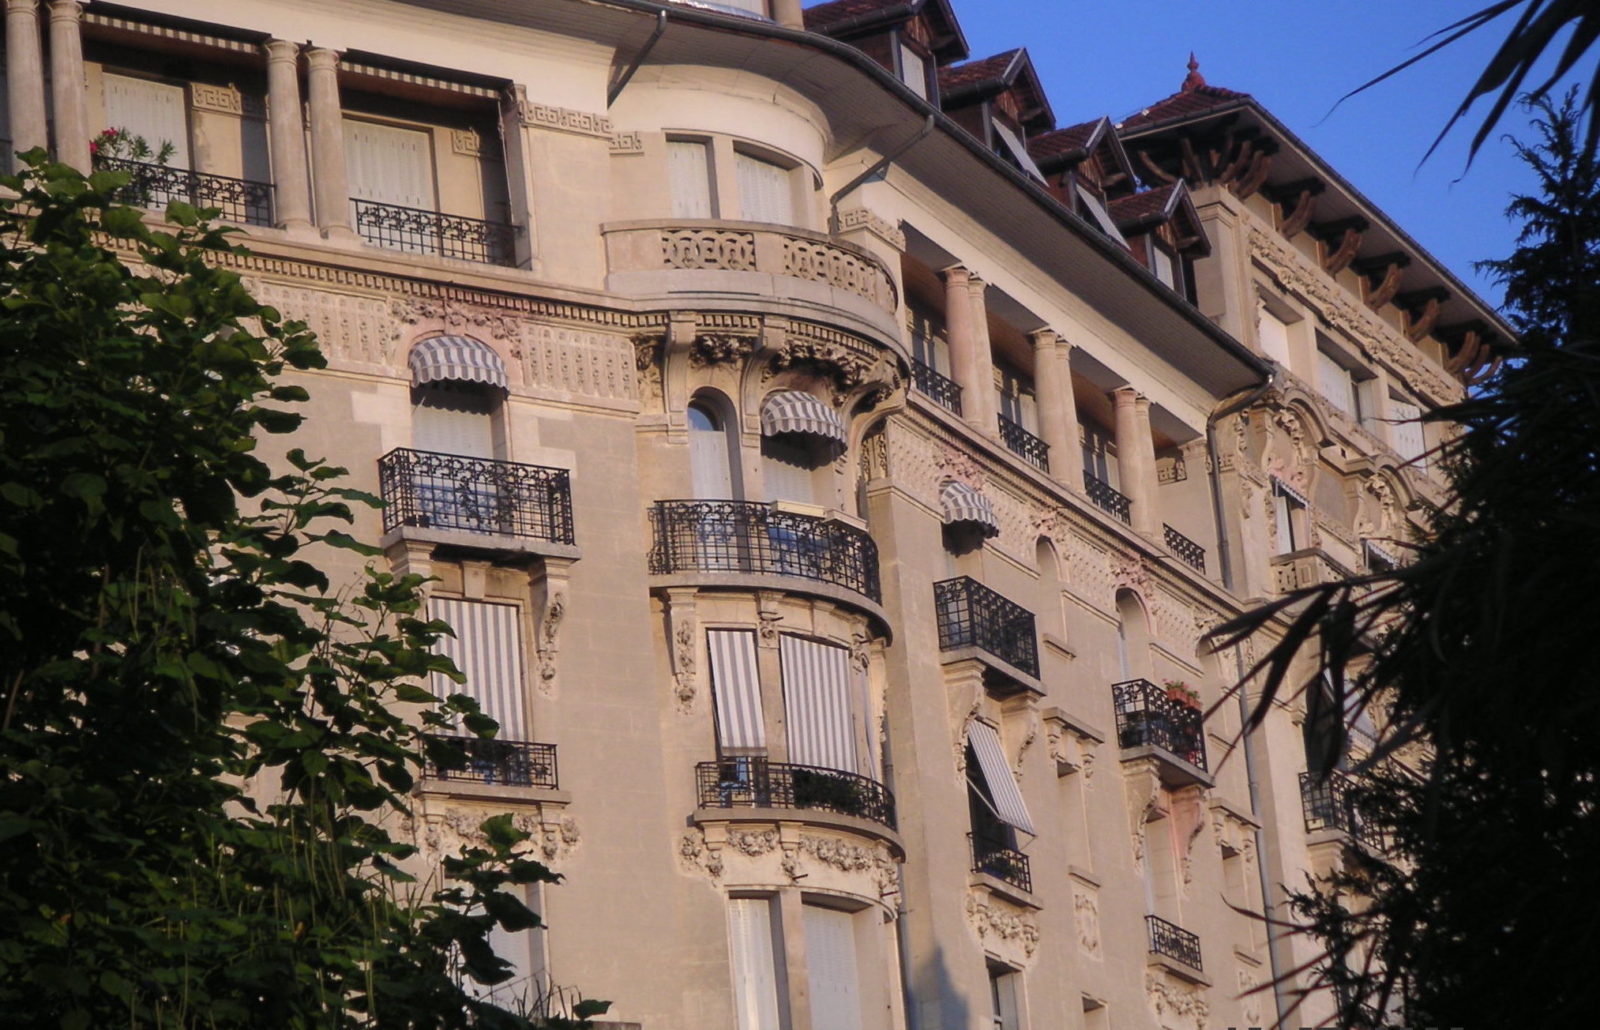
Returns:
point(94, 148)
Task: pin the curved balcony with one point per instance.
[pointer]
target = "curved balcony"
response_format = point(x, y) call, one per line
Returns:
point(741, 540)
point(752, 782)
point(756, 259)
point(476, 503)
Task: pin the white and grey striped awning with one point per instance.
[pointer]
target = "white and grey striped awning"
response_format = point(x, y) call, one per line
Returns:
point(791, 411)
point(963, 503)
point(487, 648)
point(816, 700)
point(1290, 492)
point(1008, 803)
point(458, 359)
point(736, 685)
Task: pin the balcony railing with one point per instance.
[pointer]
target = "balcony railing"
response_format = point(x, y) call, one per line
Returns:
point(1003, 863)
point(1174, 942)
point(505, 763)
point(418, 231)
point(1329, 804)
point(1107, 498)
point(156, 186)
point(478, 495)
point(972, 615)
point(748, 537)
point(1147, 717)
point(1192, 553)
point(751, 782)
point(943, 390)
point(1025, 445)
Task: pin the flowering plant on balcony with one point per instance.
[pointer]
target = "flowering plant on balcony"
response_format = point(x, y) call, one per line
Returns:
point(1182, 693)
point(120, 144)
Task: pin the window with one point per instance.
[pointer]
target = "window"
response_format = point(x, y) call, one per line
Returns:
point(753, 949)
point(1289, 509)
point(1340, 382)
point(1011, 145)
point(1017, 403)
point(391, 166)
point(766, 191)
point(823, 698)
point(928, 344)
point(914, 71)
point(689, 177)
point(450, 417)
point(487, 648)
point(831, 968)
point(736, 685)
point(1274, 335)
point(1099, 215)
point(157, 111)
point(756, 7)
point(1099, 453)
point(525, 950)
point(1004, 989)
point(713, 450)
point(1405, 431)
point(1162, 264)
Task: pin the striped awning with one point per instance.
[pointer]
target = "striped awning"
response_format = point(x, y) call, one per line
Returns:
point(1008, 803)
point(816, 700)
point(791, 411)
point(458, 359)
point(1290, 492)
point(963, 503)
point(487, 648)
point(737, 687)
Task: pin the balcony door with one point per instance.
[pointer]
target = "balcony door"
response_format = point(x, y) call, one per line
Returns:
point(156, 111)
point(392, 166)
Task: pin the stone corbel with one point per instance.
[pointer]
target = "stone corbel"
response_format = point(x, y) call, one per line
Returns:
point(550, 594)
point(769, 614)
point(1073, 743)
point(789, 842)
point(1147, 802)
point(411, 558)
point(683, 632)
point(965, 694)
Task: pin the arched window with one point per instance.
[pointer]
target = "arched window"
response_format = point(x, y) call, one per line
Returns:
point(1044, 555)
point(799, 435)
point(1133, 636)
point(713, 450)
point(457, 384)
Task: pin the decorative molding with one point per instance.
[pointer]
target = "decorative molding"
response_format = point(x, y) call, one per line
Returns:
point(564, 119)
point(860, 218)
point(204, 96)
point(1071, 744)
point(548, 638)
point(710, 349)
point(468, 142)
point(989, 920)
point(1173, 1004)
point(627, 143)
point(696, 854)
point(854, 858)
point(1086, 916)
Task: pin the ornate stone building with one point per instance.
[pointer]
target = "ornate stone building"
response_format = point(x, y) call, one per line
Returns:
point(831, 468)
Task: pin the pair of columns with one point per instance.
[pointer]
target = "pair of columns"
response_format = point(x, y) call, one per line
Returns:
point(967, 326)
point(25, 80)
point(292, 175)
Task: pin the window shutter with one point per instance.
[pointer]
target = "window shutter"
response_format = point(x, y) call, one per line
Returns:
point(1285, 521)
point(764, 192)
point(452, 430)
point(816, 698)
point(914, 71)
point(831, 968)
point(155, 110)
point(1274, 335)
point(487, 648)
point(1333, 382)
point(389, 164)
point(1405, 432)
point(755, 977)
point(736, 685)
point(689, 175)
point(709, 470)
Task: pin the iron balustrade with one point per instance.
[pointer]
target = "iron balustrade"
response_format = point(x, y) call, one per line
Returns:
point(1025, 445)
point(1006, 864)
point(479, 495)
point(505, 763)
point(749, 537)
point(156, 186)
point(754, 782)
point(1192, 553)
point(1107, 498)
point(1331, 802)
point(943, 390)
point(1148, 717)
point(1174, 941)
point(972, 615)
point(418, 231)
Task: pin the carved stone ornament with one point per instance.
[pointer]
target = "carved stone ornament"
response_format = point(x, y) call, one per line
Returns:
point(1176, 1007)
point(752, 843)
point(647, 363)
point(554, 835)
point(455, 317)
point(990, 920)
point(696, 855)
point(1086, 915)
point(1250, 997)
point(549, 632)
point(1030, 733)
point(711, 349)
point(853, 858)
point(683, 639)
point(846, 366)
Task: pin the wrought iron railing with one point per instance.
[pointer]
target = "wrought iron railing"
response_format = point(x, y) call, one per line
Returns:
point(1332, 802)
point(944, 391)
point(506, 763)
point(748, 537)
point(1024, 444)
point(1174, 941)
point(478, 495)
point(418, 231)
point(972, 615)
point(1192, 553)
point(1148, 717)
point(1003, 863)
point(156, 186)
point(1107, 498)
point(752, 782)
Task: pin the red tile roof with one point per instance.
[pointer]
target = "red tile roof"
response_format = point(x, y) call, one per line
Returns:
point(1194, 97)
point(1063, 141)
point(996, 69)
point(1149, 206)
point(822, 16)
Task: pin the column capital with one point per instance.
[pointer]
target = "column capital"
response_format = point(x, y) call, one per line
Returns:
point(22, 6)
point(322, 57)
point(955, 273)
point(975, 284)
point(1045, 338)
point(1125, 395)
point(65, 10)
point(281, 49)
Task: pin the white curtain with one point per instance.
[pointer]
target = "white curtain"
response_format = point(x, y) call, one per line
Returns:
point(831, 968)
point(755, 976)
point(765, 193)
point(689, 176)
point(389, 164)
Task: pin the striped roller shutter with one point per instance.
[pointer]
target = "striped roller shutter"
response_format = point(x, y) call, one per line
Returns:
point(791, 411)
point(1008, 803)
point(755, 973)
point(460, 359)
point(831, 969)
point(487, 648)
point(737, 686)
point(816, 698)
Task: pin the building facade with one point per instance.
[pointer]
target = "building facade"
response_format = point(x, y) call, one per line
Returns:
point(831, 468)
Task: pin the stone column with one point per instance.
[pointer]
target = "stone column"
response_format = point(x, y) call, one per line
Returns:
point(984, 409)
point(291, 185)
point(25, 77)
point(329, 176)
point(66, 84)
point(1135, 458)
point(1058, 410)
point(787, 13)
point(958, 327)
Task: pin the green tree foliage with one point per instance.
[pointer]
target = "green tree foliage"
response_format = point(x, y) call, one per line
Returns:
point(166, 655)
point(1479, 649)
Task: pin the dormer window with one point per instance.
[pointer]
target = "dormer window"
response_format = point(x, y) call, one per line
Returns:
point(914, 71)
point(1011, 146)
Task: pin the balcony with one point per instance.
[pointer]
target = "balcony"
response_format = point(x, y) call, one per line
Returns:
point(1172, 941)
point(1306, 568)
point(752, 782)
point(1147, 717)
point(418, 231)
point(1024, 444)
point(1328, 805)
point(1190, 552)
point(973, 618)
point(502, 763)
point(1106, 498)
point(155, 186)
point(448, 499)
point(939, 388)
point(750, 538)
point(992, 858)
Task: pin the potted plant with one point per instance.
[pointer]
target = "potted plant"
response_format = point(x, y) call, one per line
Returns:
point(1181, 693)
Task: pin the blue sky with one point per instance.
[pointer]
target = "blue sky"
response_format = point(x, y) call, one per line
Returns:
point(1297, 59)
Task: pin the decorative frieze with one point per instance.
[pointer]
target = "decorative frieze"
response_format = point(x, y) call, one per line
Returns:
point(1175, 1005)
point(998, 924)
point(860, 218)
point(627, 143)
point(564, 119)
point(467, 142)
point(226, 99)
